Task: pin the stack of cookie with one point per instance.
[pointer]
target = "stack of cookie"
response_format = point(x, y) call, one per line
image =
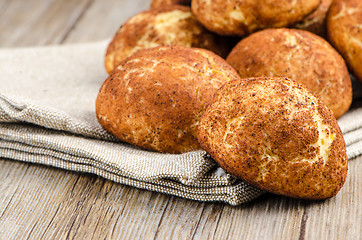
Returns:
point(254, 83)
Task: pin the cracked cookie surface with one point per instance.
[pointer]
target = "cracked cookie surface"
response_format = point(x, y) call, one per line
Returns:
point(276, 135)
point(155, 98)
point(171, 25)
point(243, 17)
point(300, 55)
point(344, 27)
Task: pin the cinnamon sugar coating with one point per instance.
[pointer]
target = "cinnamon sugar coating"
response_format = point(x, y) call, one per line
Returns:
point(243, 17)
point(344, 26)
point(155, 98)
point(300, 55)
point(170, 25)
point(276, 135)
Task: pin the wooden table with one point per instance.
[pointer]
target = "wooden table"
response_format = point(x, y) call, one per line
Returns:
point(41, 202)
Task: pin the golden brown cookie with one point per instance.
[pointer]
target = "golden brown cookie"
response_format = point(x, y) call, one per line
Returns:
point(276, 135)
point(155, 98)
point(300, 55)
point(316, 21)
point(172, 25)
point(163, 3)
point(242, 17)
point(344, 26)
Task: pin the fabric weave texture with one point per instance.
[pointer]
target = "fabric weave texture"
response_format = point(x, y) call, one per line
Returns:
point(47, 116)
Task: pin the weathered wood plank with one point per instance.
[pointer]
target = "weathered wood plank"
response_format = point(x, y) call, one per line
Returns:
point(339, 217)
point(37, 22)
point(298, 219)
point(9, 186)
point(53, 203)
point(42, 202)
point(103, 18)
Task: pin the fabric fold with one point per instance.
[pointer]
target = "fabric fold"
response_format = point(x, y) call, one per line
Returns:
point(47, 116)
point(190, 175)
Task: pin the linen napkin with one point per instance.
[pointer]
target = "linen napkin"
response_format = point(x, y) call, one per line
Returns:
point(47, 116)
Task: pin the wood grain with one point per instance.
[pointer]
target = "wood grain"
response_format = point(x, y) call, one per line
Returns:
point(41, 202)
point(34, 22)
point(103, 18)
point(44, 202)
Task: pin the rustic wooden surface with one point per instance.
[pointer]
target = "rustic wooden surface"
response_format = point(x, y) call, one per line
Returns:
point(40, 202)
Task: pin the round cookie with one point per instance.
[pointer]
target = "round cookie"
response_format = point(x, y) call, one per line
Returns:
point(155, 98)
point(276, 135)
point(172, 25)
point(300, 55)
point(316, 21)
point(242, 17)
point(344, 26)
point(163, 3)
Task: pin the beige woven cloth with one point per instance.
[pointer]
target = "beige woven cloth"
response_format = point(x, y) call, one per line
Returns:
point(47, 98)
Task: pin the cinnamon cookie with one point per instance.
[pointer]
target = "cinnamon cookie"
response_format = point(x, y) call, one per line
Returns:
point(173, 25)
point(242, 17)
point(300, 55)
point(276, 135)
point(344, 25)
point(155, 98)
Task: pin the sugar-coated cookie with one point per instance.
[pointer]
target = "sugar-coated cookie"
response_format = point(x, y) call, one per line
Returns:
point(242, 17)
point(300, 55)
point(276, 135)
point(155, 98)
point(344, 26)
point(172, 25)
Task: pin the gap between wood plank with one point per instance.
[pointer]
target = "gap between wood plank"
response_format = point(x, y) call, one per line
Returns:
point(161, 219)
point(198, 222)
point(218, 220)
point(303, 224)
point(71, 196)
point(51, 221)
